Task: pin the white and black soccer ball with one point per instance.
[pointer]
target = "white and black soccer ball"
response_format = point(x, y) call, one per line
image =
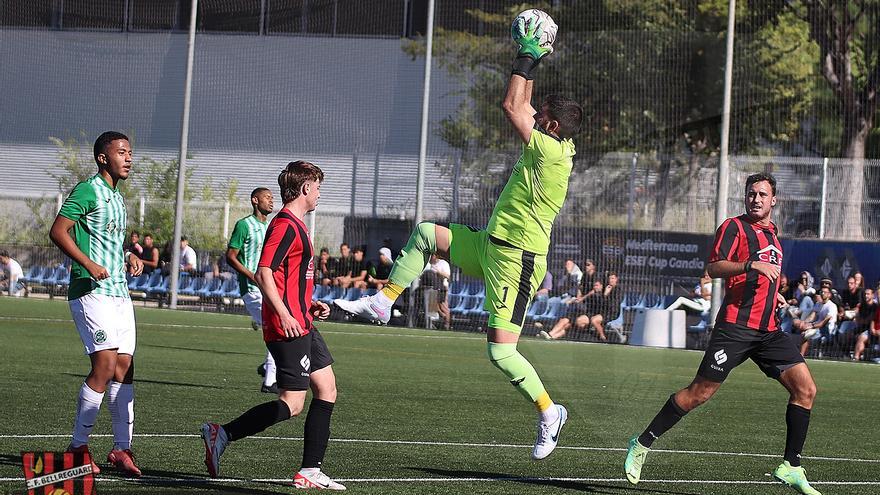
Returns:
point(527, 18)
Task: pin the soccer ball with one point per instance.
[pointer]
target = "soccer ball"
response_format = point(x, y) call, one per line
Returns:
point(527, 18)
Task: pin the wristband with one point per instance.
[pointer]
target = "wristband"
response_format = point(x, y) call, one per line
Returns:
point(525, 65)
point(748, 266)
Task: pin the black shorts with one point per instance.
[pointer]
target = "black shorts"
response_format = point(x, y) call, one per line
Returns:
point(730, 345)
point(297, 358)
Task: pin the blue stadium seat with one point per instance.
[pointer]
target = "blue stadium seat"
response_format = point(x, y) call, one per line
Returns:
point(318, 291)
point(477, 289)
point(44, 276)
point(209, 287)
point(160, 289)
point(32, 275)
point(477, 309)
point(154, 280)
point(457, 288)
point(352, 294)
point(555, 310)
point(334, 293)
point(538, 306)
point(190, 287)
point(464, 303)
point(453, 300)
point(230, 288)
point(667, 300)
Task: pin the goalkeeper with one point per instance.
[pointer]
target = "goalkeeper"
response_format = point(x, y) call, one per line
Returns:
point(510, 255)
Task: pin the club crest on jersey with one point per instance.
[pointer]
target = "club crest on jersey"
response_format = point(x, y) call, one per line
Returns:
point(113, 227)
point(100, 337)
point(771, 254)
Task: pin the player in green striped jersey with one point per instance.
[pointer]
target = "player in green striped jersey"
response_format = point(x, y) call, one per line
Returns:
point(243, 254)
point(90, 229)
point(510, 254)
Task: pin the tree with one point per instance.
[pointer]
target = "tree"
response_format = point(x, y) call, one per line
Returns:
point(847, 34)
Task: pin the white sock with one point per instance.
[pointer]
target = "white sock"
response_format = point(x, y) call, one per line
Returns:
point(270, 377)
point(382, 300)
point(550, 415)
point(121, 405)
point(87, 406)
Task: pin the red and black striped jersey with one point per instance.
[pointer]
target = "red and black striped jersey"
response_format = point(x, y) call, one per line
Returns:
point(287, 251)
point(750, 298)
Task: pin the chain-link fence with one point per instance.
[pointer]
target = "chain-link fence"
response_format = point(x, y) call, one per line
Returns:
point(340, 83)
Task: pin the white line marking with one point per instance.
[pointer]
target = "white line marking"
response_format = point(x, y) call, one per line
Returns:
point(455, 444)
point(156, 479)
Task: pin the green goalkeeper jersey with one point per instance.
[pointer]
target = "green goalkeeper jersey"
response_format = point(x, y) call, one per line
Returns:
point(99, 216)
point(534, 194)
point(247, 237)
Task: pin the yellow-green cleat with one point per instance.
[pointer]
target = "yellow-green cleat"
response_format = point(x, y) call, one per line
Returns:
point(635, 457)
point(794, 477)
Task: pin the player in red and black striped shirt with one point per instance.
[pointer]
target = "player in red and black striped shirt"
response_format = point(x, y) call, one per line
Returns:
point(286, 277)
point(748, 255)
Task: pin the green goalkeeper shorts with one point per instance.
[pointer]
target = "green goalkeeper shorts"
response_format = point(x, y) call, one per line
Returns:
point(511, 275)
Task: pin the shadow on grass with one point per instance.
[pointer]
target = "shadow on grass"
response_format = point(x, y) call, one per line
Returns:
point(159, 382)
point(195, 349)
point(582, 486)
point(176, 482)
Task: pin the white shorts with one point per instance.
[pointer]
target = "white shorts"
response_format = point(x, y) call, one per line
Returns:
point(104, 322)
point(253, 302)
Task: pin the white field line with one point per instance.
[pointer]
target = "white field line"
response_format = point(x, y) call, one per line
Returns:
point(156, 479)
point(456, 444)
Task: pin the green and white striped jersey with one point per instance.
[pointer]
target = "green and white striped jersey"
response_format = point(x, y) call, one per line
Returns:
point(99, 216)
point(247, 237)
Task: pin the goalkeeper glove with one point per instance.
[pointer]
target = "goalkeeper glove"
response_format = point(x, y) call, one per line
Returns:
point(528, 37)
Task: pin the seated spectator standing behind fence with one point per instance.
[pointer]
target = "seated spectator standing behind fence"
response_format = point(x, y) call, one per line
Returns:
point(863, 322)
point(134, 245)
point(577, 312)
point(377, 275)
point(11, 272)
point(436, 276)
point(322, 270)
point(867, 324)
point(188, 260)
point(612, 296)
point(546, 286)
point(149, 254)
point(341, 268)
point(702, 300)
point(846, 312)
point(821, 324)
point(803, 295)
point(570, 280)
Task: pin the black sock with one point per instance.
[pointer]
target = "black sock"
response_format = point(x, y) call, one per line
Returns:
point(316, 433)
point(668, 416)
point(257, 419)
point(797, 419)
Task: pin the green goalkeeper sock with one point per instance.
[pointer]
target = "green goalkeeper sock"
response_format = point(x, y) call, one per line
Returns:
point(522, 375)
point(413, 258)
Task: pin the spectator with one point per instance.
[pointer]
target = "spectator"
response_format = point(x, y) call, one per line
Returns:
point(11, 272)
point(188, 260)
point(860, 280)
point(341, 269)
point(787, 290)
point(378, 275)
point(546, 286)
point(570, 280)
point(149, 254)
point(835, 295)
point(323, 272)
point(702, 300)
point(436, 276)
point(578, 312)
point(803, 295)
point(589, 276)
point(357, 272)
point(133, 245)
point(610, 308)
point(868, 322)
point(822, 321)
point(849, 301)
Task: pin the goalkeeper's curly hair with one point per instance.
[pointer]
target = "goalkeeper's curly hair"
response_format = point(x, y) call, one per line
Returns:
point(294, 176)
point(567, 112)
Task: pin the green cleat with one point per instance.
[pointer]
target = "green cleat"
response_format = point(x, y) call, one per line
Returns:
point(635, 457)
point(794, 477)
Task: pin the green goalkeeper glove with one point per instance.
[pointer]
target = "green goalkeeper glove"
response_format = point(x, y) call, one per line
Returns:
point(528, 37)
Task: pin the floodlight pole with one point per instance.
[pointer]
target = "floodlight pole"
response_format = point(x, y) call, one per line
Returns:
point(181, 170)
point(423, 146)
point(723, 163)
